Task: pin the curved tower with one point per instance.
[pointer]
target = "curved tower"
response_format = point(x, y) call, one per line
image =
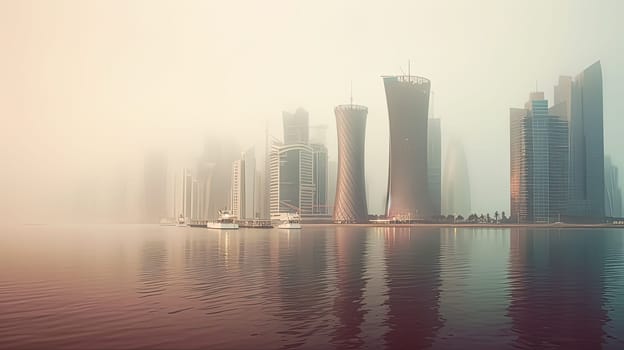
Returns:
point(408, 110)
point(350, 204)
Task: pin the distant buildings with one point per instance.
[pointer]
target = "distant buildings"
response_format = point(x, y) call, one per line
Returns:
point(408, 112)
point(296, 127)
point(557, 153)
point(350, 205)
point(434, 165)
point(319, 178)
point(242, 197)
point(613, 191)
point(456, 182)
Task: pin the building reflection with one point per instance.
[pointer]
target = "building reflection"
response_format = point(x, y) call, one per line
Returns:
point(349, 308)
point(556, 286)
point(413, 283)
point(304, 287)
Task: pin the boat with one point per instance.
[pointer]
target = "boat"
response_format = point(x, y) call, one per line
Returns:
point(291, 222)
point(224, 222)
point(181, 222)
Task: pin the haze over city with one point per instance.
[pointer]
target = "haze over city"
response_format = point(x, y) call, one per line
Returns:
point(88, 88)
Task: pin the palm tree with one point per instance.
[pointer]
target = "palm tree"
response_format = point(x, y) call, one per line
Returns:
point(496, 216)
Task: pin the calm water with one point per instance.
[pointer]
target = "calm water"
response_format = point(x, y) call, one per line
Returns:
point(324, 287)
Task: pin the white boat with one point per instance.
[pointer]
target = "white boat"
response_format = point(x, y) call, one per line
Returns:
point(181, 221)
point(291, 222)
point(224, 222)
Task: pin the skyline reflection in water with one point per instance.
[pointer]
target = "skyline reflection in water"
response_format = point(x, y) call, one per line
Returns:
point(336, 287)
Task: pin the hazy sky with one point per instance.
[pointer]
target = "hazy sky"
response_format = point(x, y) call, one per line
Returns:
point(87, 86)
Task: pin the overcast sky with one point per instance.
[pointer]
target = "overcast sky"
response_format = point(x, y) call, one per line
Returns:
point(87, 86)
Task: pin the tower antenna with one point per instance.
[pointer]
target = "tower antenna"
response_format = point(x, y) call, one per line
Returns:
point(351, 93)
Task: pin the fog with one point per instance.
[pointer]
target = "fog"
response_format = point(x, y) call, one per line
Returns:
point(87, 88)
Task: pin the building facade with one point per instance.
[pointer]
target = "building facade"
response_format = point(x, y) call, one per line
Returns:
point(350, 204)
point(319, 178)
point(539, 162)
point(291, 179)
point(613, 192)
point(434, 165)
point(407, 99)
point(586, 165)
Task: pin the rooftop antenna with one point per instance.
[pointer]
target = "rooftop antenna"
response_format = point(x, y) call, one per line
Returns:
point(351, 93)
point(408, 70)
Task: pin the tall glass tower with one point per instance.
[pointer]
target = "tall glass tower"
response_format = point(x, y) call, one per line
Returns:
point(408, 111)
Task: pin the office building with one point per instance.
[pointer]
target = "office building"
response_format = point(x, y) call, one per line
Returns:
point(319, 178)
point(539, 160)
point(242, 200)
point(350, 204)
point(291, 179)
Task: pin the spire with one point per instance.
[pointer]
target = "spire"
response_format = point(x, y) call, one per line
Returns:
point(351, 93)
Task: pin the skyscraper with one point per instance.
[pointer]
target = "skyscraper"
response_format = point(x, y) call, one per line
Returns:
point(586, 183)
point(319, 178)
point(539, 155)
point(350, 204)
point(296, 127)
point(613, 192)
point(456, 181)
point(408, 111)
point(434, 165)
point(291, 184)
point(242, 197)
point(237, 197)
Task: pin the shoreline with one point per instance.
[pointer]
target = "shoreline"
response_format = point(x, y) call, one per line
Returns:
point(567, 226)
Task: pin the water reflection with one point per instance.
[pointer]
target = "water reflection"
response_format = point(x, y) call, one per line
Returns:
point(413, 281)
point(351, 281)
point(557, 291)
point(321, 287)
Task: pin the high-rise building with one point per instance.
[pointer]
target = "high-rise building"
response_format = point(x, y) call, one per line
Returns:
point(319, 178)
point(332, 170)
point(539, 155)
point(350, 205)
point(296, 127)
point(586, 183)
point(155, 175)
point(456, 181)
point(434, 165)
point(187, 193)
point(613, 192)
point(242, 197)
point(408, 112)
point(238, 189)
point(291, 184)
